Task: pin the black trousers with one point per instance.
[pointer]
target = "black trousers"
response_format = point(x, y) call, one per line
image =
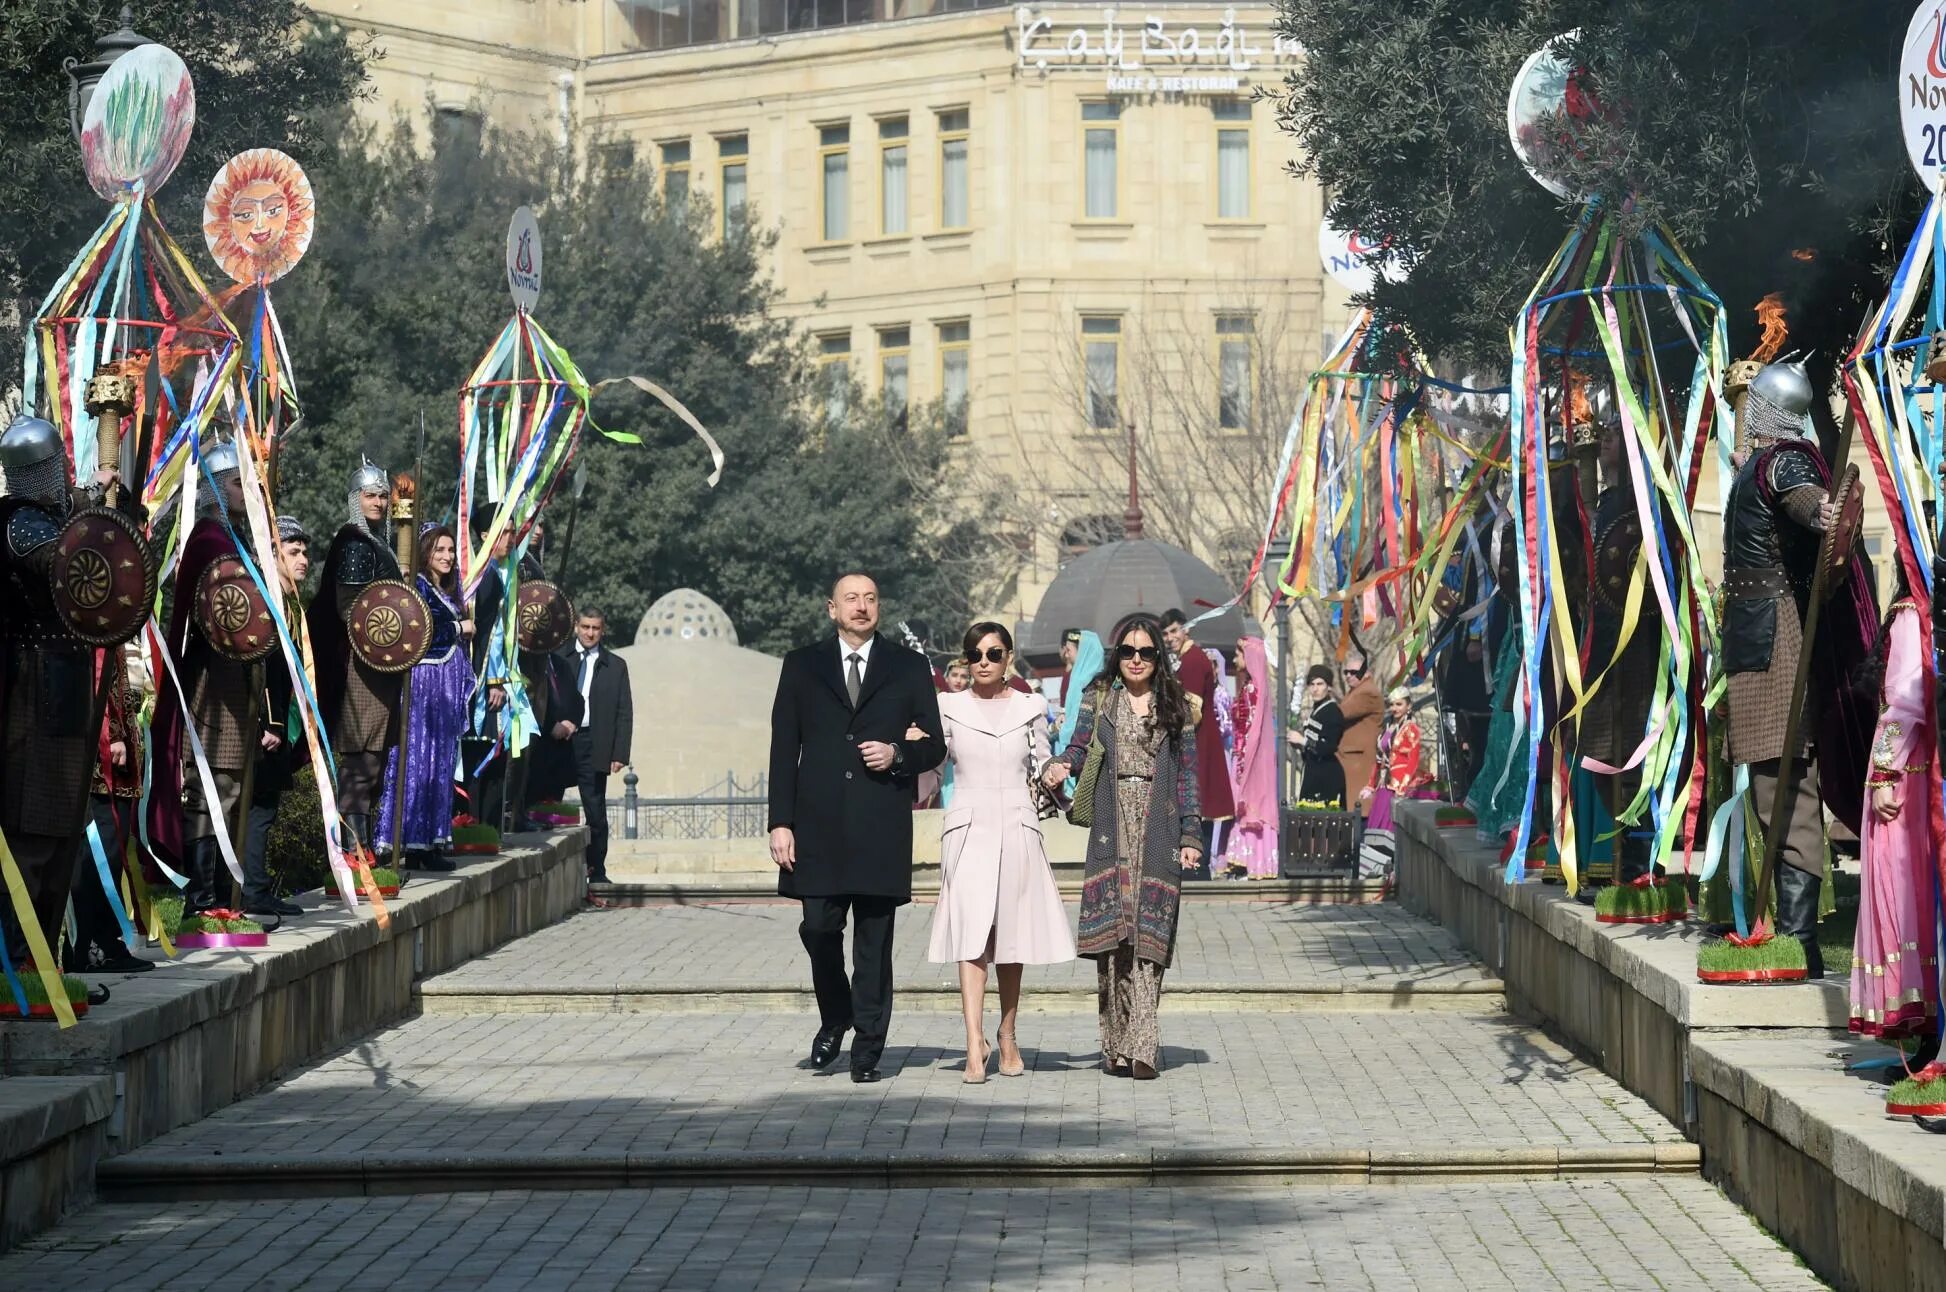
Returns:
point(257, 890)
point(94, 918)
point(863, 1003)
point(592, 781)
point(487, 792)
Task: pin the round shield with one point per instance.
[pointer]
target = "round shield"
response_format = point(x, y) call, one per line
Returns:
point(390, 625)
point(545, 619)
point(230, 610)
point(1616, 550)
point(104, 577)
point(1841, 539)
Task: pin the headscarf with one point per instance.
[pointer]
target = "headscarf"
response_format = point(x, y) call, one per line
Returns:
point(1090, 658)
point(1256, 784)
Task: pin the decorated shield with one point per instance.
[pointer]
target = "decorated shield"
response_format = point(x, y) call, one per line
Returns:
point(1841, 539)
point(103, 574)
point(390, 626)
point(231, 612)
point(1616, 549)
point(545, 618)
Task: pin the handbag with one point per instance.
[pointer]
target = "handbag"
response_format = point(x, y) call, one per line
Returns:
point(1082, 811)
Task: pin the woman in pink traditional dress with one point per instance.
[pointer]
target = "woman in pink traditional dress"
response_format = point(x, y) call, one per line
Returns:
point(1894, 975)
point(1253, 770)
point(998, 902)
point(1397, 774)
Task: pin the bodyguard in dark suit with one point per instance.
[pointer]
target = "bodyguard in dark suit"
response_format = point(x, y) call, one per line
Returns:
point(600, 714)
point(841, 780)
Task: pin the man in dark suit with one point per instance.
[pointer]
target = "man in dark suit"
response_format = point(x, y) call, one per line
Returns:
point(841, 785)
point(600, 715)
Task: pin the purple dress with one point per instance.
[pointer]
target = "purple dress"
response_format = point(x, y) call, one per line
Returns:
point(442, 689)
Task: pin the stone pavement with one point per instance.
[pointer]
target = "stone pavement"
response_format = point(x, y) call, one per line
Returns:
point(1665, 1233)
point(734, 946)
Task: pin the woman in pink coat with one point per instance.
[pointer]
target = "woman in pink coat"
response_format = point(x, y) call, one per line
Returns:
point(998, 903)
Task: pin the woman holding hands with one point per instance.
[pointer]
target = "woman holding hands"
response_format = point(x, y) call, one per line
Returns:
point(1146, 832)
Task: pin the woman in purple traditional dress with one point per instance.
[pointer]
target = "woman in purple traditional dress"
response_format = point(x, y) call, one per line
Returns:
point(442, 691)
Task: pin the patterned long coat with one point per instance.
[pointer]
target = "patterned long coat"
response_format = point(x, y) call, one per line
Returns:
point(1151, 883)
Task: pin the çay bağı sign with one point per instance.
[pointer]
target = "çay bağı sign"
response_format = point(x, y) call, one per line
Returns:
point(1922, 90)
point(1110, 46)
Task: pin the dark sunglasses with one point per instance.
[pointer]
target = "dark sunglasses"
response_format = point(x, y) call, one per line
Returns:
point(1144, 653)
point(994, 654)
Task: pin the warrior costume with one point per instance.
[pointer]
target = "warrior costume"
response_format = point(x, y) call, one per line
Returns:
point(360, 703)
point(46, 674)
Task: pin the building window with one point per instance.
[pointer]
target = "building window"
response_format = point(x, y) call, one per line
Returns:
point(834, 157)
point(892, 176)
point(733, 152)
point(895, 372)
point(1101, 346)
point(1235, 370)
point(955, 373)
point(1232, 158)
point(617, 159)
point(772, 17)
point(955, 184)
point(675, 175)
point(671, 24)
point(1101, 141)
point(834, 374)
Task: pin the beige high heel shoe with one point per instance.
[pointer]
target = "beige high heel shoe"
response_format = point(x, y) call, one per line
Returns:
point(1019, 1069)
point(977, 1076)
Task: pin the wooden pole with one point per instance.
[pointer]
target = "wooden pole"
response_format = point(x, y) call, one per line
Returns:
point(1778, 824)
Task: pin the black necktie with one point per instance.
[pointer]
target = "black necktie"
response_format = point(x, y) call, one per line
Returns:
point(853, 682)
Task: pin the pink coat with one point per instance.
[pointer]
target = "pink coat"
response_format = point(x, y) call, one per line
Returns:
point(994, 876)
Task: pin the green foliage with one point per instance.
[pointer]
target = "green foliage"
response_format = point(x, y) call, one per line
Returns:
point(1778, 953)
point(1908, 1092)
point(1641, 903)
point(296, 854)
point(36, 991)
point(263, 69)
point(405, 287)
point(1750, 130)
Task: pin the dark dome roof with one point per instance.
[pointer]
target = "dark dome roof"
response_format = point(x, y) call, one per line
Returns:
point(1107, 584)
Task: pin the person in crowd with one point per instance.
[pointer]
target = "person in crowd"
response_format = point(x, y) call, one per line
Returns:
point(1894, 976)
point(958, 678)
point(441, 694)
point(1363, 711)
point(841, 783)
point(360, 705)
point(113, 802)
point(1147, 833)
point(1316, 740)
point(597, 720)
point(998, 902)
point(1198, 679)
point(487, 759)
point(1253, 845)
point(1070, 651)
point(1397, 773)
point(278, 762)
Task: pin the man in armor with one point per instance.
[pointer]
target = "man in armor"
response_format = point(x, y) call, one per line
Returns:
point(218, 690)
point(46, 675)
point(113, 799)
point(1772, 530)
point(360, 704)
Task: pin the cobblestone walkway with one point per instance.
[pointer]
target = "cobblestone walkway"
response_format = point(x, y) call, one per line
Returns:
point(746, 945)
point(1673, 1234)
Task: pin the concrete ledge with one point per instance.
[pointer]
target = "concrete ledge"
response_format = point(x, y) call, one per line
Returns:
point(204, 1030)
point(241, 1175)
point(51, 1135)
point(1478, 996)
point(761, 887)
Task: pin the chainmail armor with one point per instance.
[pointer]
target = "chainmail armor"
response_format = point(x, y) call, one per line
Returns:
point(45, 480)
point(1763, 420)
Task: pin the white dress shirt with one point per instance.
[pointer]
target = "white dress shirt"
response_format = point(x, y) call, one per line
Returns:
point(586, 679)
point(864, 653)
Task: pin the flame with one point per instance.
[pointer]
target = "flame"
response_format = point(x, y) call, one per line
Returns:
point(1580, 412)
point(1770, 317)
point(1805, 254)
point(403, 486)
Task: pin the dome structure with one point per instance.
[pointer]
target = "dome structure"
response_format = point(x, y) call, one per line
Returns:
point(685, 615)
point(1135, 575)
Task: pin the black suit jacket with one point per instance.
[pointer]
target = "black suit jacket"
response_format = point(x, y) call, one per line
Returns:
point(853, 825)
point(611, 707)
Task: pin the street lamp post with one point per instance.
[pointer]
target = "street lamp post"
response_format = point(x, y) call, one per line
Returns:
point(83, 77)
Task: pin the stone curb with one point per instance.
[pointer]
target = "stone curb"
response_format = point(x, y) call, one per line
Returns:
point(150, 1176)
point(1324, 891)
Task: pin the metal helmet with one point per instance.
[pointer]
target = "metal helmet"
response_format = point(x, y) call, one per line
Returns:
point(35, 463)
point(221, 458)
point(370, 478)
point(1785, 385)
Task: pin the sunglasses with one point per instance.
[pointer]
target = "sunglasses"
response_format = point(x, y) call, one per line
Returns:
point(1144, 653)
point(993, 655)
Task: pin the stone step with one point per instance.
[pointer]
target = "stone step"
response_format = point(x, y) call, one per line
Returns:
point(761, 886)
point(1483, 996)
point(260, 1175)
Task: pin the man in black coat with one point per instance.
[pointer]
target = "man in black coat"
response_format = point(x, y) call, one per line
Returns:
point(600, 715)
point(841, 783)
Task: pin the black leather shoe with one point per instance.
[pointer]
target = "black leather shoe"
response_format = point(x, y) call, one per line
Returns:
point(863, 1076)
point(122, 961)
point(275, 906)
point(599, 877)
point(434, 861)
point(825, 1047)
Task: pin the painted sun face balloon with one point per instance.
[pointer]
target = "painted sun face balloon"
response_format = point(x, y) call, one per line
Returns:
point(258, 216)
point(138, 122)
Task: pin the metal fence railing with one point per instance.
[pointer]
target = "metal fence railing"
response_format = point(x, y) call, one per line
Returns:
point(730, 809)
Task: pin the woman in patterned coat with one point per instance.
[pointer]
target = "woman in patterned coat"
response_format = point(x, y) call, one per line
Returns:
point(1147, 831)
